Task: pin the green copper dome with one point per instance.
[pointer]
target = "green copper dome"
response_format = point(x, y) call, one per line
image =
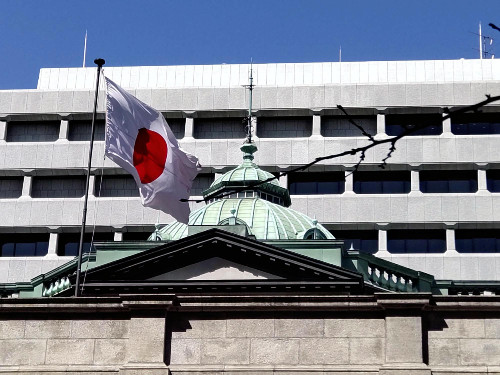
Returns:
point(265, 220)
point(250, 196)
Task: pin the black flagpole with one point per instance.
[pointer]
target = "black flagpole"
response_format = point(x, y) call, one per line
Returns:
point(99, 63)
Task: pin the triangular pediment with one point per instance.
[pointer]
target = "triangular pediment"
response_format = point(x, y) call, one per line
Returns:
point(215, 261)
point(216, 268)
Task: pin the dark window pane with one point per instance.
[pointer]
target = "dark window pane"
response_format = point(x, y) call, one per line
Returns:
point(219, 128)
point(416, 241)
point(178, 126)
point(68, 242)
point(32, 131)
point(81, 130)
point(448, 181)
point(11, 187)
point(477, 240)
point(476, 123)
point(116, 186)
point(58, 187)
point(493, 180)
point(429, 124)
point(365, 241)
point(382, 182)
point(24, 245)
point(284, 127)
point(309, 183)
point(137, 236)
point(340, 126)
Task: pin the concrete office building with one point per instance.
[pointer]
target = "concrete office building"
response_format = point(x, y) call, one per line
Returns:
point(433, 209)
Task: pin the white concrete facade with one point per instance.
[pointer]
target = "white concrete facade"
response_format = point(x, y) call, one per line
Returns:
point(313, 90)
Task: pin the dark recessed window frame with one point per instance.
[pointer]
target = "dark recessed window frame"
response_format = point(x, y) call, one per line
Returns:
point(397, 124)
point(477, 240)
point(476, 124)
point(67, 243)
point(493, 180)
point(382, 182)
point(416, 241)
point(24, 245)
point(315, 183)
point(104, 186)
point(24, 131)
point(365, 241)
point(436, 181)
point(80, 130)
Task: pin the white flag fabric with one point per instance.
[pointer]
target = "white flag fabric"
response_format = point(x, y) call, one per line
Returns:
point(140, 141)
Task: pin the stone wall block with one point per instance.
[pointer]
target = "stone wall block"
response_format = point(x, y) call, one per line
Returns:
point(22, 352)
point(443, 352)
point(477, 352)
point(460, 328)
point(320, 351)
point(492, 328)
point(100, 329)
point(366, 350)
point(47, 329)
point(148, 340)
point(250, 328)
point(203, 329)
point(354, 328)
point(299, 327)
point(226, 351)
point(11, 329)
point(110, 351)
point(404, 339)
point(185, 351)
point(274, 351)
point(69, 352)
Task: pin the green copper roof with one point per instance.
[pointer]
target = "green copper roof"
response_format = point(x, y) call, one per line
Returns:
point(265, 220)
point(249, 175)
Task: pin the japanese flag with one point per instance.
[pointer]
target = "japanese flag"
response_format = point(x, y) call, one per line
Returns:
point(140, 141)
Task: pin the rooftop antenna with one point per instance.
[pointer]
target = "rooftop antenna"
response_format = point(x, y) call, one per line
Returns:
point(250, 87)
point(480, 42)
point(340, 53)
point(85, 49)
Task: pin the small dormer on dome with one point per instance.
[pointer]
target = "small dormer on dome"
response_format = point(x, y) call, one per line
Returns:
point(260, 183)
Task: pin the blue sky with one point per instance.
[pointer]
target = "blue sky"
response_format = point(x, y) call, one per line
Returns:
point(38, 34)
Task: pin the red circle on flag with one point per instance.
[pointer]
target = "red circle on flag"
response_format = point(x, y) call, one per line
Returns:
point(150, 155)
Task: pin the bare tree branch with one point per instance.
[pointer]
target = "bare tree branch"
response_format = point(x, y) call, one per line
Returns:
point(358, 150)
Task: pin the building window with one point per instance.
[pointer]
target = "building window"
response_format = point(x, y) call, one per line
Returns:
point(284, 127)
point(309, 183)
point(416, 241)
point(339, 126)
point(116, 186)
point(448, 181)
point(178, 126)
point(475, 123)
point(137, 236)
point(81, 130)
point(67, 244)
point(58, 187)
point(32, 131)
point(219, 128)
point(493, 180)
point(365, 241)
point(24, 245)
point(201, 183)
point(432, 124)
point(11, 187)
point(477, 240)
point(382, 182)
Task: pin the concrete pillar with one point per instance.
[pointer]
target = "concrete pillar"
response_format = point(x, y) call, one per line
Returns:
point(349, 181)
point(92, 185)
point(3, 130)
point(382, 242)
point(283, 180)
point(450, 241)
point(482, 183)
point(415, 180)
point(148, 344)
point(53, 238)
point(381, 124)
point(254, 127)
point(316, 128)
point(446, 126)
point(118, 236)
point(27, 186)
point(188, 130)
point(63, 130)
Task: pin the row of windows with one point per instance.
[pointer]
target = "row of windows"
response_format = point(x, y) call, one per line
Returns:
point(398, 241)
point(422, 241)
point(301, 183)
point(271, 127)
point(391, 182)
point(37, 244)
